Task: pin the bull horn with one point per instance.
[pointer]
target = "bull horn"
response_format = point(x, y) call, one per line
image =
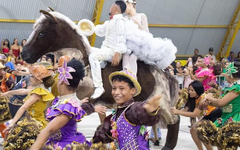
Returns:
point(49, 16)
point(86, 26)
point(50, 9)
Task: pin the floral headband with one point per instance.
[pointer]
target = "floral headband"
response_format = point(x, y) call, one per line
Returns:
point(231, 69)
point(64, 73)
point(207, 60)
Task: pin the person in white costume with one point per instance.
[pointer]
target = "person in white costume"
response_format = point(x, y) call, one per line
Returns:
point(130, 60)
point(113, 46)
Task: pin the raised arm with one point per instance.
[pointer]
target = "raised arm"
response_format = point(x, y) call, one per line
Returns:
point(145, 113)
point(16, 92)
point(196, 112)
point(221, 102)
point(32, 99)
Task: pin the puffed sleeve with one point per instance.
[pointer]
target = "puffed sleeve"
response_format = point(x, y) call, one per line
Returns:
point(121, 37)
point(44, 93)
point(69, 107)
point(100, 30)
point(88, 108)
point(144, 23)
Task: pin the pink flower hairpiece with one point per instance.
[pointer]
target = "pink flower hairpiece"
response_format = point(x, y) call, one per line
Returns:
point(64, 73)
point(207, 60)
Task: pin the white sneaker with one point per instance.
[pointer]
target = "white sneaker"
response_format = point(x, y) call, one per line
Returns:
point(98, 92)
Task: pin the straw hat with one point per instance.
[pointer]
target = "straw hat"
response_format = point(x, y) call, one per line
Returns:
point(2, 66)
point(3, 57)
point(86, 26)
point(48, 65)
point(127, 73)
point(62, 59)
point(40, 72)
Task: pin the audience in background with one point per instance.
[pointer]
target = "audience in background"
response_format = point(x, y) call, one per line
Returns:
point(15, 48)
point(5, 46)
point(194, 58)
point(210, 52)
point(22, 44)
point(231, 57)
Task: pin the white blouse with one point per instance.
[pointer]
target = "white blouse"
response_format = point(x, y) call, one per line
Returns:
point(141, 18)
point(114, 32)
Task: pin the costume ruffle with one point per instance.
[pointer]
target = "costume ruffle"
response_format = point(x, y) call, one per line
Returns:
point(69, 107)
point(79, 146)
point(23, 134)
point(44, 93)
point(182, 99)
point(153, 51)
point(235, 88)
point(206, 73)
point(226, 137)
point(4, 110)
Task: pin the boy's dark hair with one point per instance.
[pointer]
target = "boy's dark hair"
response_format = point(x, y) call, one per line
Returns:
point(124, 79)
point(122, 5)
point(77, 75)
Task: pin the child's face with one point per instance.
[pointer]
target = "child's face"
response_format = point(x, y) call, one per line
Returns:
point(121, 92)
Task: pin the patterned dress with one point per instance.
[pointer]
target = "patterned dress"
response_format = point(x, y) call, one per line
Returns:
point(231, 111)
point(71, 106)
point(36, 111)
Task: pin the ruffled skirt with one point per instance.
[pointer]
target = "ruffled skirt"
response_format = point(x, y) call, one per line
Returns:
point(153, 51)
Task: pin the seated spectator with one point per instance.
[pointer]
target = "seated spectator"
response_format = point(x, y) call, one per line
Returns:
point(43, 58)
point(231, 57)
point(210, 52)
point(238, 57)
point(19, 60)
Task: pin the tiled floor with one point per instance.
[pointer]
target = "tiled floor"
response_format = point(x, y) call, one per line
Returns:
point(185, 142)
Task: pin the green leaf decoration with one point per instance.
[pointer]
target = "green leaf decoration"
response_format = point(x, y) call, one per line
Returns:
point(231, 69)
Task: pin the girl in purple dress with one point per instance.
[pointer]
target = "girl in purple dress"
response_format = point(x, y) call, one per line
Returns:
point(66, 111)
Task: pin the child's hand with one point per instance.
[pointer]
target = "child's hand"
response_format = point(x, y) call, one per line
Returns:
point(85, 100)
point(152, 104)
point(100, 109)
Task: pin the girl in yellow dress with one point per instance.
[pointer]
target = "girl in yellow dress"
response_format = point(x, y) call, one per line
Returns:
point(35, 104)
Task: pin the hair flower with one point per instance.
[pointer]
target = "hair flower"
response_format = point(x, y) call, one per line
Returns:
point(207, 60)
point(231, 69)
point(64, 73)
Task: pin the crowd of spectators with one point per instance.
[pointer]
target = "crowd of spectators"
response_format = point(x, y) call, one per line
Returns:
point(10, 56)
point(182, 73)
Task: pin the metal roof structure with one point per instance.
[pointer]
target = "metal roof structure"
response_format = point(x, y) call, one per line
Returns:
point(190, 24)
